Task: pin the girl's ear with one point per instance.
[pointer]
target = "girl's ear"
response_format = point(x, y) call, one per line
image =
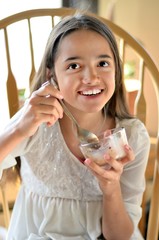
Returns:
point(48, 74)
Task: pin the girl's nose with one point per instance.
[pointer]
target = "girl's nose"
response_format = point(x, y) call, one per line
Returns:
point(90, 76)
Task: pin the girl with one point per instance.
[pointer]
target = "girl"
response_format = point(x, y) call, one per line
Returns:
point(63, 195)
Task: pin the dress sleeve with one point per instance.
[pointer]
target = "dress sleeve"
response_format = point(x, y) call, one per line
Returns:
point(8, 162)
point(20, 149)
point(133, 177)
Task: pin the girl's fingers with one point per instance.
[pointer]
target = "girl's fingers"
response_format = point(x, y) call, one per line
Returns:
point(110, 163)
point(44, 101)
point(95, 168)
point(47, 105)
point(48, 89)
point(116, 164)
point(45, 83)
point(129, 152)
point(115, 169)
point(130, 156)
point(104, 176)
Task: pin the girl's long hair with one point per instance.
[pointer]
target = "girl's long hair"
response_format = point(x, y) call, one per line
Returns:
point(117, 105)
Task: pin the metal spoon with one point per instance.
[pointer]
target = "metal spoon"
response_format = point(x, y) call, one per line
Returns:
point(83, 135)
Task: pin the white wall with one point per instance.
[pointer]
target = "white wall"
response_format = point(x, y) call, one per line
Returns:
point(140, 18)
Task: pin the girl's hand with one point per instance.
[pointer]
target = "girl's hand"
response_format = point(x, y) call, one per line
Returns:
point(109, 177)
point(42, 107)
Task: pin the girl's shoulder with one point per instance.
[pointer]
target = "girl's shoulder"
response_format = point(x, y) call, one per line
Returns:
point(132, 123)
point(135, 129)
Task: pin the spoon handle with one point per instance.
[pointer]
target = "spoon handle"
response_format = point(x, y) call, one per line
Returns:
point(66, 111)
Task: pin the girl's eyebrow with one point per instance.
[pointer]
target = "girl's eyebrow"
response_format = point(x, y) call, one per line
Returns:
point(77, 57)
point(72, 58)
point(104, 56)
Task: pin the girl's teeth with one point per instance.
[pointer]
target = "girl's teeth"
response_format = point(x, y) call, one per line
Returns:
point(91, 92)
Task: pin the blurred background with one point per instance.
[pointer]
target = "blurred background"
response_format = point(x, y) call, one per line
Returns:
point(139, 17)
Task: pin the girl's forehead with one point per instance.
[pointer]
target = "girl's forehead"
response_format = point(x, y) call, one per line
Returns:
point(84, 38)
point(84, 33)
point(83, 44)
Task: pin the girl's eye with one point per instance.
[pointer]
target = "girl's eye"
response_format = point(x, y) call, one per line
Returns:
point(103, 64)
point(74, 66)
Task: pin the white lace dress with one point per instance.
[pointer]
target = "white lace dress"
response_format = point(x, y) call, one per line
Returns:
point(59, 198)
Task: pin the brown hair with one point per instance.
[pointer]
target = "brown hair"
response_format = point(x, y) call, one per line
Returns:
point(116, 106)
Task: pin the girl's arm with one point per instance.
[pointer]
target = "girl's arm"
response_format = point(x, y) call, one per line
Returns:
point(9, 139)
point(116, 223)
point(123, 185)
point(42, 107)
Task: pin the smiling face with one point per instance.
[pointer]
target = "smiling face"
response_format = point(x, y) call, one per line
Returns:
point(85, 70)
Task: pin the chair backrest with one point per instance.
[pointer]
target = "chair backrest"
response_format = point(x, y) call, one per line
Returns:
point(138, 67)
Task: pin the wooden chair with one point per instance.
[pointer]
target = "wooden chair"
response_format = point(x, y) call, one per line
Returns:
point(144, 70)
